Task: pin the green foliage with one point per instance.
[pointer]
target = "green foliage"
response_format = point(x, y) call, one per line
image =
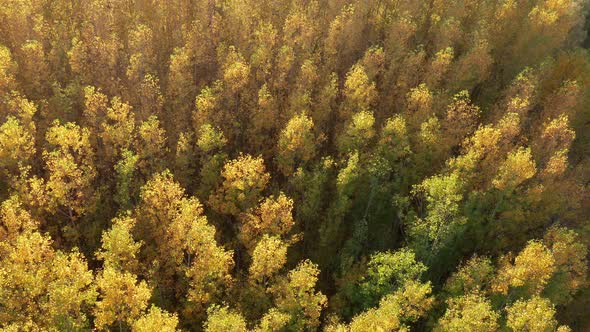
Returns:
point(386, 272)
point(442, 196)
point(125, 169)
point(210, 139)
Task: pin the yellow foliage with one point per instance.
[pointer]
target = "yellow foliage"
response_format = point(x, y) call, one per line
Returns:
point(119, 249)
point(274, 216)
point(61, 284)
point(156, 320)
point(297, 296)
point(269, 256)
point(244, 180)
point(469, 313)
point(359, 91)
point(17, 146)
point(533, 315)
point(532, 268)
point(518, 167)
point(222, 319)
point(407, 304)
point(297, 143)
point(122, 298)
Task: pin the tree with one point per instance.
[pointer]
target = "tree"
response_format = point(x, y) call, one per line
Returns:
point(532, 269)
point(15, 221)
point(142, 60)
point(297, 297)
point(461, 118)
point(264, 121)
point(359, 91)
point(406, 305)
point(209, 264)
point(268, 257)
point(471, 312)
point(95, 107)
point(8, 68)
point(307, 79)
point(117, 129)
point(387, 272)
point(244, 179)
point(151, 101)
point(571, 264)
point(220, 319)
point(394, 143)
point(300, 31)
point(71, 290)
point(210, 144)
point(126, 184)
point(443, 195)
point(273, 217)
point(273, 320)
point(122, 298)
point(439, 67)
point(71, 170)
point(430, 148)
point(475, 276)
point(95, 59)
point(518, 167)
point(265, 37)
point(359, 132)
point(419, 104)
point(235, 71)
point(17, 148)
point(344, 37)
point(557, 136)
point(347, 182)
point(473, 66)
point(185, 157)
point(535, 314)
point(210, 139)
point(155, 320)
point(296, 144)
point(119, 250)
point(150, 147)
point(42, 287)
point(181, 241)
point(181, 88)
point(207, 102)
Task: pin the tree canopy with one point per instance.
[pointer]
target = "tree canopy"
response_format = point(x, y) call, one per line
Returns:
point(294, 165)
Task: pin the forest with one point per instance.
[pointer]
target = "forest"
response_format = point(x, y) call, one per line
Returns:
point(294, 165)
